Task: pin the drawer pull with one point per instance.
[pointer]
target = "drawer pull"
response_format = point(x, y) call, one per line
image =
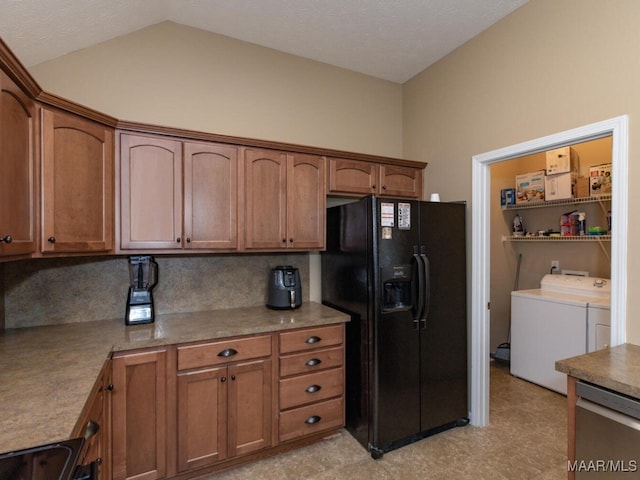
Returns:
point(228, 352)
point(313, 419)
point(313, 362)
point(313, 389)
point(312, 340)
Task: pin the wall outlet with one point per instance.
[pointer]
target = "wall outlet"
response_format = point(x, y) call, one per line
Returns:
point(555, 266)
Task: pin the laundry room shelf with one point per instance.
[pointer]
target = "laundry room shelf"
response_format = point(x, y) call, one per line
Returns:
point(578, 238)
point(555, 203)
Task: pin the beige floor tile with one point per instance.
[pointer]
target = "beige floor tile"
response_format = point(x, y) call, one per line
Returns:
point(526, 440)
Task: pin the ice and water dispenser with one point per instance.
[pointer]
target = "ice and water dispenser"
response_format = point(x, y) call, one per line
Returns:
point(396, 288)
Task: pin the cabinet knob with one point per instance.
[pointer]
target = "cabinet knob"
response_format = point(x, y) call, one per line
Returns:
point(384, 187)
point(284, 240)
point(188, 239)
point(233, 377)
point(228, 352)
point(109, 388)
point(6, 239)
point(373, 187)
point(313, 362)
point(291, 240)
point(178, 240)
point(313, 389)
point(223, 379)
point(51, 239)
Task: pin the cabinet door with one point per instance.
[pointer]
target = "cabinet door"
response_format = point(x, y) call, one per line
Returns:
point(306, 201)
point(397, 181)
point(139, 412)
point(17, 212)
point(77, 184)
point(210, 196)
point(250, 414)
point(150, 192)
point(352, 177)
point(265, 199)
point(98, 447)
point(202, 418)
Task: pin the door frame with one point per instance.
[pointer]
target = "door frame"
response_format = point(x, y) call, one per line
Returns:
point(618, 129)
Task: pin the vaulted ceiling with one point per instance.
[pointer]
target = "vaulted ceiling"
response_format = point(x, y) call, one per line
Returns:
point(388, 39)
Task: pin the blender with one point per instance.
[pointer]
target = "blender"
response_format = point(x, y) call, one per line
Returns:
point(143, 273)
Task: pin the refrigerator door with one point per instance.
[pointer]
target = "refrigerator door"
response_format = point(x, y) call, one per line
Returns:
point(443, 339)
point(396, 340)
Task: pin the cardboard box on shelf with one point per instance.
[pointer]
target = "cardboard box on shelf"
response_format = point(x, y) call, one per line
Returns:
point(581, 188)
point(530, 187)
point(600, 180)
point(559, 186)
point(562, 160)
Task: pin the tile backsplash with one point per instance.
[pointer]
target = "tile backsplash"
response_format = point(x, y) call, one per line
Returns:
point(67, 290)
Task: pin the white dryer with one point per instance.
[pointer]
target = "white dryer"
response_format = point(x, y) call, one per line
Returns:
point(551, 323)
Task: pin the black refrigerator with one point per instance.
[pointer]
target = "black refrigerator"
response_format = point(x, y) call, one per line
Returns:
point(398, 267)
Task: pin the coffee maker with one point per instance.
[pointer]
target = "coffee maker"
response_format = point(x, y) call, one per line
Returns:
point(143, 273)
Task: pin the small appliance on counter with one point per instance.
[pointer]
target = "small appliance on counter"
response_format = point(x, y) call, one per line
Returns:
point(285, 290)
point(143, 273)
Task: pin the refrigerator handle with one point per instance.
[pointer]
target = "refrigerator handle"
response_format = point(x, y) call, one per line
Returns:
point(419, 305)
point(427, 287)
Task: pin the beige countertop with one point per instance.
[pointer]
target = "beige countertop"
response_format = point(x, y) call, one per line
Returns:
point(47, 373)
point(616, 368)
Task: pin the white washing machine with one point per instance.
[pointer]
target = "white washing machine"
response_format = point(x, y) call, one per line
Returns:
point(552, 322)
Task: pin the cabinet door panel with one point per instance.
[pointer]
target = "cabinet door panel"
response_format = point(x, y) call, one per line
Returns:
point(352, 177)
point(150, 192)
point(396, 181)
point(139, 416)
point(17, 161)
point(265, 193)
point(77, 184)
point(210, 183)
point(250, 414)
point(306, 201)
point(202, 418)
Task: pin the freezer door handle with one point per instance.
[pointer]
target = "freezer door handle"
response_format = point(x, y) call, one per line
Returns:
point(419, 305)
point(427, 287)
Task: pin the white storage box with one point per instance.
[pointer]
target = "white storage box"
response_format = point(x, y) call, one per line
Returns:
point(530, 187)
point(600, 178)
point(559, 186)
point(562, 160)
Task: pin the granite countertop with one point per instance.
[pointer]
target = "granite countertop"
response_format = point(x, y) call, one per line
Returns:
point(47, 373)
point(616, 368)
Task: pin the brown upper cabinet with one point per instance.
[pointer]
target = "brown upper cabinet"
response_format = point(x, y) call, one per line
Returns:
point(17, 163)
point(77, 184)
point(354, 177)
point(177, 195)
point(284, 200)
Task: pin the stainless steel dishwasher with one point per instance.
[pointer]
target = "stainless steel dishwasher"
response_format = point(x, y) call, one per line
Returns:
point(607, 434)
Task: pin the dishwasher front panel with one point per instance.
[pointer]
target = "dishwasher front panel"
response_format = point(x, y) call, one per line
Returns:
point(607, 440)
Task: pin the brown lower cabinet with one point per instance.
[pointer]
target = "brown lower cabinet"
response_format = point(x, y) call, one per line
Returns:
point(139, 415)
point(224, 410)
point(187, 410)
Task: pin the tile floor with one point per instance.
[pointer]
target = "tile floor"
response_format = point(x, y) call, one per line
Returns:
point(526, 440)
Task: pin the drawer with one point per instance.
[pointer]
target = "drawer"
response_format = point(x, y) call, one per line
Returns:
point(310, 388)
point(311, 419)
point(226, 351)
point(311, 361)
point(309, 338)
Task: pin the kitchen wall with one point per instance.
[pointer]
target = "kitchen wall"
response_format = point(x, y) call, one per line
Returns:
point(536, 257)
point(66, 290)
point(550, 66)
point(178, 76)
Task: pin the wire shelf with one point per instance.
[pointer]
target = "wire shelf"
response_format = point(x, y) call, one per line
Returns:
point(555, 203)
point(577, 238)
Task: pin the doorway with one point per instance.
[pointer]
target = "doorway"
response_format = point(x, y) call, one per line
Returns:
point(617, 128)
